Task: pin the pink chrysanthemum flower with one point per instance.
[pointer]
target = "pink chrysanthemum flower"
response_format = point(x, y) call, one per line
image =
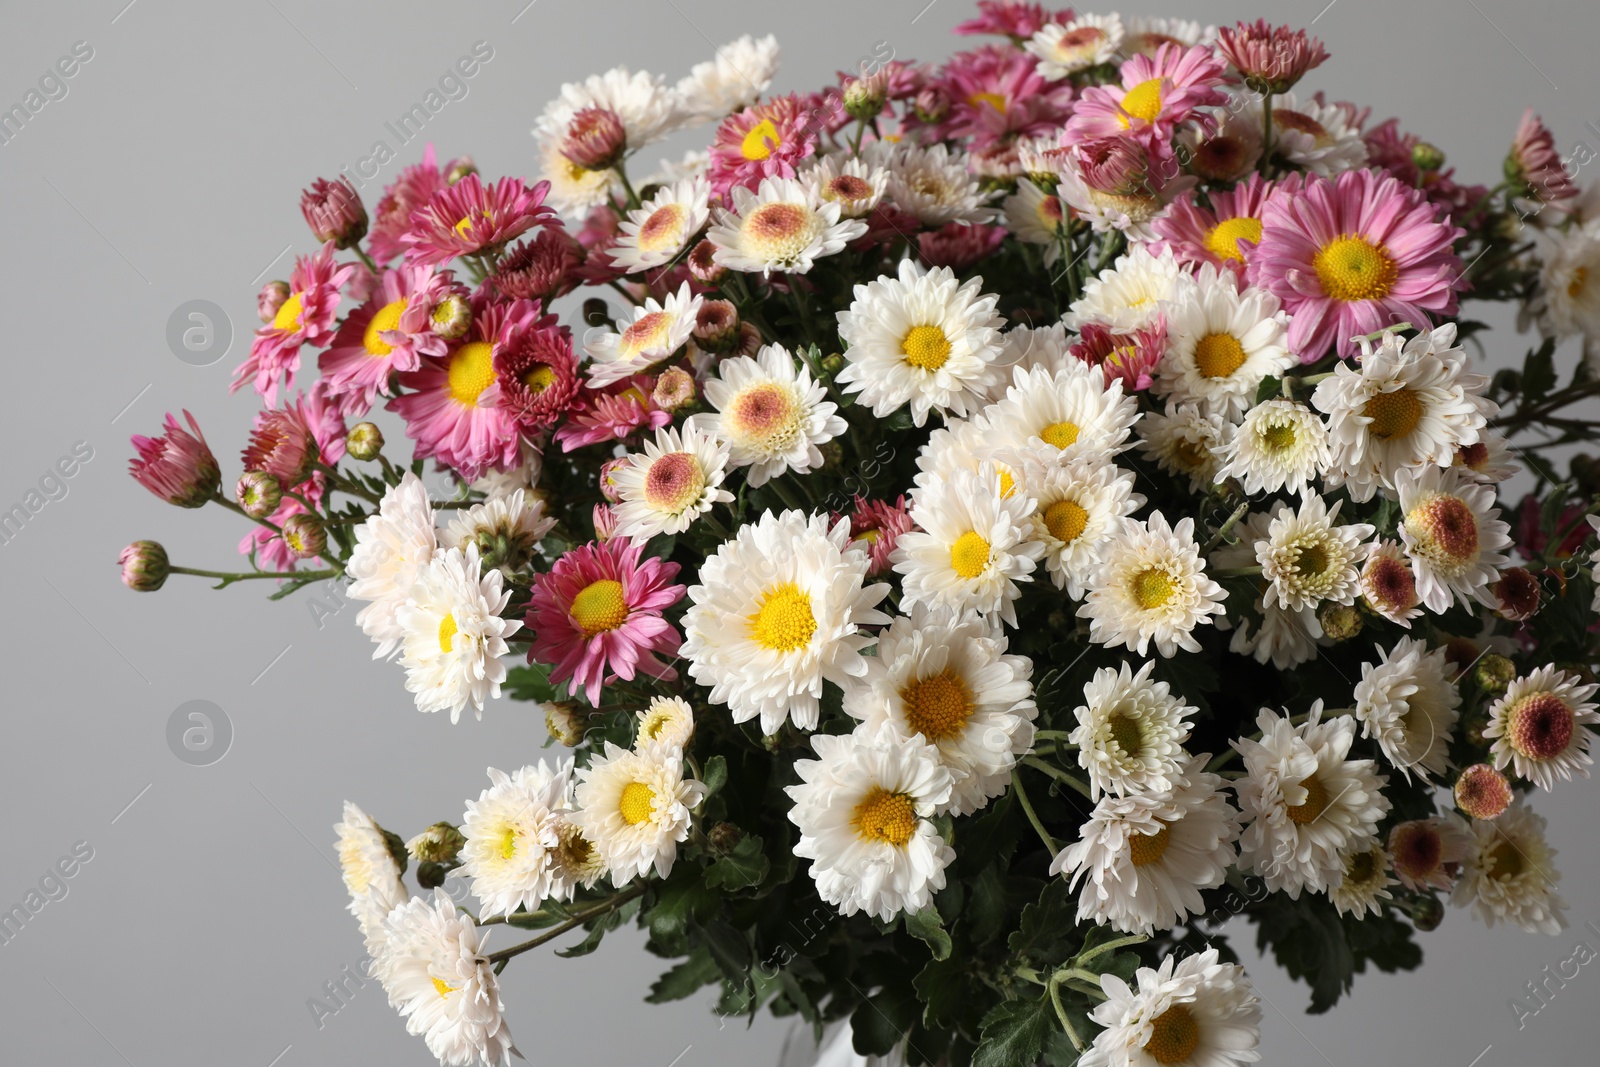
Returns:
point(469, 217)
point(541, 269)
point(390, 333)
point(306, 317)
point(876, 526)
point(997, 94)
point(614, 414)
point(1271, 58)
point(1395, 151)
point(445, 411)
point(281, 444)
point(1224, 235)
point(178, 466)
point(596, 616)
point(959, 246)
point(1129, 358)
point(1352, 256)
point(763, 141)
point(1012, 18)
point(267, 547)
point(536, 375)
point(392, 218)
point(1535, 162)
point(334, 211)
point(1154, 98)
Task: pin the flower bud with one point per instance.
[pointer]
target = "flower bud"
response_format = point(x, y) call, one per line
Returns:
point(452, 317)
point(364, 442)
point(304, 535)
point(832, 364)
point(178, 466)
point(605, 523)
point(595, 139)
point(282, 445)
point(144, 566)
point(703, 265)
point(562, 720)
point(1340, 622)
point(1482, 792)
point(270, 299)
point(1427, 157)
point(459, 169)
point(1516, 594)
point(931, 105)
point(864, 97)
point(674, 389)
point(1427, 913)
point(432, 875)
point(608, 487)
point(1271, 58)
point(725, 837)
point(440, 843)
point(716, 327)
point(832, 455)
point(258, 494)
point(1494, 673)
point(334, 212)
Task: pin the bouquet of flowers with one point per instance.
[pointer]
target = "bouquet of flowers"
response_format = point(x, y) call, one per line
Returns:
point(988, 525)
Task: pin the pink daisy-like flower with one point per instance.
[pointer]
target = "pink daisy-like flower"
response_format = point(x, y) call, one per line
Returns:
point(1224, 235)
point(543, 268)
point(763, 141)
point(1012, 18)
point(997, 94)
point(1154, 98)
point(1395, 151)
point(536, 375)
point(959, 246)
point(389, 333)
point(445, 411)
point(270, 551)
point(1129, 358)
point(876, 526)
point(281, 444)
point(468, 217)
point(1535, 162)
point(392, 218)
point(1352, 256)
point(1271, 58)
point(621, 410)
point(178, 466)
point(596, 616)
point(306, 317)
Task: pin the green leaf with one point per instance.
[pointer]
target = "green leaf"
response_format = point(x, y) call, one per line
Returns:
point(986, 912)
point(926, 926)
point(530, 682)
point(1308, 940)
point(742, 868)
point(880, 1021)
point(1539, 372)
point(603, 924)
point(1269, 388)
point(678, 902)
point(941, 989)
point(1044, 922)
point(1014, 1033)
point(714, 775)
point(686, 978)
point(731, 951)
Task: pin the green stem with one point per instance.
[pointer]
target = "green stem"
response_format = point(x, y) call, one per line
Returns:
point(229, 577)
point(577, 920)
point(1056, 735)
point(1056, 773)
point(358, 250)
point(627, 186)
point(1110, 946)
point(344, 485)
point(1222, 531)
point(1061, 1013)
point(231, 506)
point(1027, 807)
point(1092, 980)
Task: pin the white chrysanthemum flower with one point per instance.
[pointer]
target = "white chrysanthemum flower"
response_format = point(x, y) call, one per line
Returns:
point(1321, 138)
point(694, 163)
point(1143, 34)
point(511, 837)
point(657, 330)
point(934, 184)
point(1144, 858)
point(1508, 875)
point(635, 809)
point(1404, 405)
point(1130, 732)
point(1076, 506)
point(1489, 459)
point(574, 189)
point(855, 184)
point(1221, 344)
point(645, 107)
point(779, 610)
point(496, 483)
point(509, 527)
point(1031, 348)
point(1087, 41)
point(1194, 1012)
point(1453, 535)
point(1363, 885)
point(438, 979)
point(953, 447)
point(733, 79)
point(1308, 559)
point(1426, 853)
point(1388, 585)
point(771, 414)
point(1307, 803)
point(391, 549)
point(675, 480)
point(1286, 638)
point(1540, 726)
point(454, 635)
point(1130, 211)
point(655, 233)
point(576, 861)
point(667, 722)
point(1129, 295)
point(1281, 445)
point(1569, 285)
point(370, 872)
point(970, 547)
point(1036, 217)
point(1185, 441)
point(783, 226)
point(1409, 702)
point(1151, 585)
point(1060, 415)
point(863, 808)
point(945, 677)
point(920, 338)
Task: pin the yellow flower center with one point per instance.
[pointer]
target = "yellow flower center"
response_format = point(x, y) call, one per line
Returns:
point(539, 378)
point(784, 621)
point(464, 227)
point(1145, 849)
point(1191, 454)
point(1217, 355)
point(1059, 434)
point(1143, 101)
point(1008, 483)
point(994, 100)
point(441, 988)
point(937, 707)
point(1393, 414)
point(447, 633)
point(599, 606)
point(885, 816)
point(1362, 868)
point(760, 141)
point(1276, 436)
point(1151, 588)
point(925, 347)
point(1505, 861)
point(471, 372)
point(1127, 733)
point(387, 318)
point(1352, 268)
point(1579, 279)
point(1311, 560)
point(1222, 240)
point(969, 556)
point(1065, 520)
point(1316, 803)
point(288, 316)
point(637, 802)
point(1174, 1035)
point(508, 843)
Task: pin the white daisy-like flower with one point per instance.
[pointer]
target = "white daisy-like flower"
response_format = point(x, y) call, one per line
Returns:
point(635, 808)
point(1129, 209)
point(1453, 535)
point(370, 872)
point(1060, 415)
point(645, 107)
point(1032, 347)
point(779, 610)
point(1508, 875)
point(1363, 885)
point(675, 480)
point(667, 722)
point(1036, 217)
point(855, 184)
point(863, 808)
point(454, 635)
point(1308, 559)
point(1409, 702)
point(1426, 853)
point(575, 861)
point(391, 549)
point(694, 163)
point(1128, 297)
point(574, 189)
point(771, 414)
point(952, 447)
point(1221, 344)
point(1151, 586)
point(657, 330)
point(1282, 445)
point(1194, 1012)
point(1076, 506)
point(935, 185)
point(1388, 585)
point(1540, 726)
point(505, 528)
point(655, 233)
point(1087, 41)
point(970, 546)
point(1130, 732)
point(946, 678)
point(1568, 302)
point(437, 977)
point(1286, 638)
point(1489, 459)
point(1144, 858)
point(1407, 403)
point(1144, 34)
point(1185, 441)
point(511, 836)
point(920, 338)
point(733, 79)
point(1307, 803)
point(783, 226)
point(1318, 137)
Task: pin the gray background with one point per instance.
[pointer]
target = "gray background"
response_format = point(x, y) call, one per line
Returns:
point(211, 911)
